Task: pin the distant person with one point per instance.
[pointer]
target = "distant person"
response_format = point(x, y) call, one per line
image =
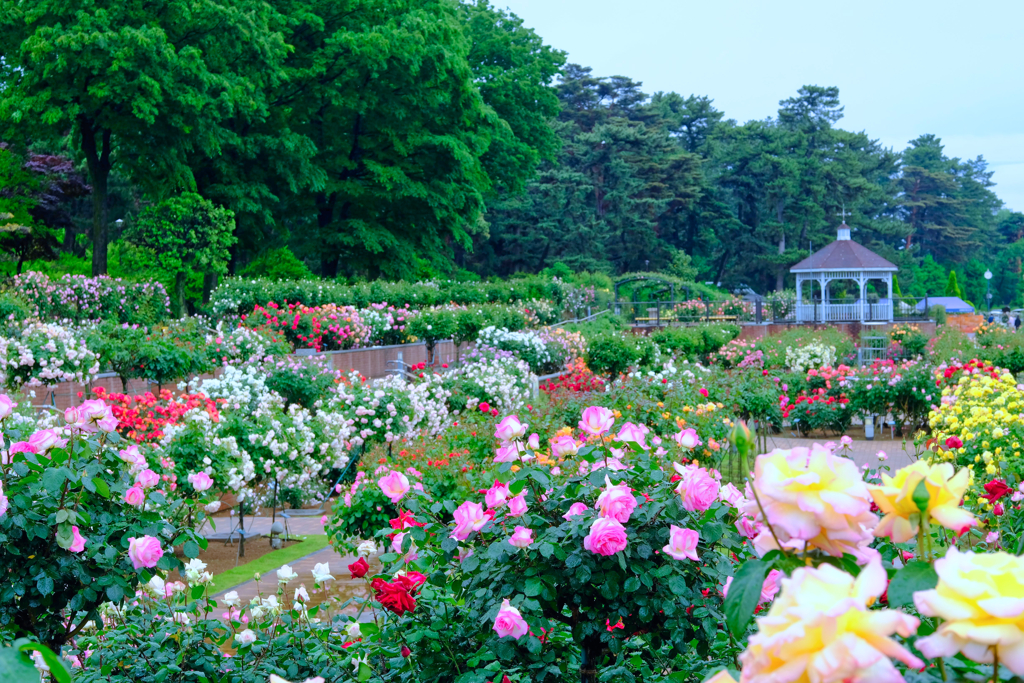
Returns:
point(991, 318)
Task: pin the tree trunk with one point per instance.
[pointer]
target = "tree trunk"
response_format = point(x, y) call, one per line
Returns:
point(97, 160)
point(209, 284)
point(179, 289)
point(590, 653)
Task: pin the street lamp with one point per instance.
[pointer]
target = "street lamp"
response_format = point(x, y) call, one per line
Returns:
point(988, 284)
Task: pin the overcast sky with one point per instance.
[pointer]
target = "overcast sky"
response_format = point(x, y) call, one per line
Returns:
point(903, 67)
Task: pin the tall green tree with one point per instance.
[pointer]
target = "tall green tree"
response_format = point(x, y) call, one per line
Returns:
point(139, 86)
point(952, 288)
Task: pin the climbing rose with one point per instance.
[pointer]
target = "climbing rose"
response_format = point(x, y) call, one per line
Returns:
point(606, 537)
point(144, 551)
point(597, 420)
point(394, 485)
point(978, 596)
point(682, 544)
point(509, 622)
point(820, 628)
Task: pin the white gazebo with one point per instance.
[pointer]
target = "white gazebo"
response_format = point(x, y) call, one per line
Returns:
point(844, 259)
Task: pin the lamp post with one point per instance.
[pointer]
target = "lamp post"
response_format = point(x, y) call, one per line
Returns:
point(988, 285)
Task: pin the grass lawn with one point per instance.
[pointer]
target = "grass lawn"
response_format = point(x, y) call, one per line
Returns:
point(268, 562)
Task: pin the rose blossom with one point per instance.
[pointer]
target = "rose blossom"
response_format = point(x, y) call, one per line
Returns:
point(630, 432)
point(815, 498)
point(357, 569)
point(497, 495)
point(517, 506)
point(144, 551)
point(597, 420)
point(147, 479)
point(509, 622)
point(45, 439)
point(687, 439)
point(510, 428)
point(895, 499)
point(246, 637)
point(396, 545)
point(697, 488)
point(3, 500)
point(7, 406)
point(509, 453)
point(533, 443)
point(731, 495)
point(522, 537)
point(616, 502)
point(135, 496)
point(575, 509)
point(606, 537)
point(682, 544)
point(77, 541)
point(562, 446)
point(820, 627)
point(394, 485)
point(200, 481)
point(469, 517)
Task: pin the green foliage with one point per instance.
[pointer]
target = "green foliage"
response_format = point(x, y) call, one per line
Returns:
point(952, 288)
point(188, 234)
point(161, 354)
point(950, 344)
point(612, 354)
point(277, 264)
point(300, 381)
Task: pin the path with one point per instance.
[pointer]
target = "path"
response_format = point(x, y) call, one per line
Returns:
point(861, 452)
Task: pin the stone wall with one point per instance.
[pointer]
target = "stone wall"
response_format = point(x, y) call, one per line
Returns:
point(854, 330)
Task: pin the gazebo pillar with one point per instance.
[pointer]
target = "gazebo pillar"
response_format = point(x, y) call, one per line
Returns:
point(862, 281)
point(824, 298)
point(892, 299)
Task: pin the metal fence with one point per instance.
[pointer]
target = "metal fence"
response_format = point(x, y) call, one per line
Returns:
point(900, 309)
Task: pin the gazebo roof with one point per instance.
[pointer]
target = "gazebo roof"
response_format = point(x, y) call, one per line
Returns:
point(843, 254)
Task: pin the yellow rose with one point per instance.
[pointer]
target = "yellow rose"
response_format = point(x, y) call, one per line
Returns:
point(820, 629)
point(981, 599)
point(895, 498)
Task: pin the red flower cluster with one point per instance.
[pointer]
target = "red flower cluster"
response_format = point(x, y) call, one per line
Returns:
point(817, 399)
point(996, 489)
point(398, 596)
point(952, 373)
point(142, 418)
point(579, 379)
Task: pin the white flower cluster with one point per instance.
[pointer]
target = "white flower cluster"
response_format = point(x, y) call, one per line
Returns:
point(43, 354)
point(668, 374)
point(813, 355)
point(529, 345)
point(240, 344)
point(428, 401)
point(502, 382)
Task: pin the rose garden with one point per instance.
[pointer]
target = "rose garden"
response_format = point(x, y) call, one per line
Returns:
point(634, 518)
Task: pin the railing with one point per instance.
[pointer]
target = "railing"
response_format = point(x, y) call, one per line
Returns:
point(849, 310)
point(661, 313)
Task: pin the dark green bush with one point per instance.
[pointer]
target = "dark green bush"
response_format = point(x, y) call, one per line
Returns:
point(611, 354)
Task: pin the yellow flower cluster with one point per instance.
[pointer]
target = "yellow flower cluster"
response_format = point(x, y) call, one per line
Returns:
point(978, 424)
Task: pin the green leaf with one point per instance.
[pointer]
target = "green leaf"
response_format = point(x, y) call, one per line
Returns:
point(45, 585)
point(101, 487)
point(744, 594)
point(62, 516)
point(115, 593)
point(16, 667)
point(197, 591)
point(191, 549)
point(534, 586)
point(53, 479)
point(546, 550)
point(573, 560)
point(632, 584)
point(916, 576)
point(711, 532)
point(516, 487)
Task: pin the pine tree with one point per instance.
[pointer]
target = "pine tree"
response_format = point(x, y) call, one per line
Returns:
point(952, 288)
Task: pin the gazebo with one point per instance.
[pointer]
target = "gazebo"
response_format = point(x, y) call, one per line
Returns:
point(844, 259)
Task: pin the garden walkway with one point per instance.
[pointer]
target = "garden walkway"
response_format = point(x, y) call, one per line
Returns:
point(861, 452)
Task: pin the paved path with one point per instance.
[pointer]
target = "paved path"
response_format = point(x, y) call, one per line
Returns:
point(898, 453)
point(297, 526)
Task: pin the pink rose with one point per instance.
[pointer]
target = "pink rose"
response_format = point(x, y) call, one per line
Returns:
point(144, 552)
point(509, 622)
point(682, 544)
point(533, 443)
point(77, 541)
point(20, 447)
point(565, 445)
point(522, 537)
point(147, 479)
point(510, 428)
point(394, 485)
point(606, 537)
point(634, 433)
point(575, 509)
point(616, 502)
point(509, 453)
point(4, 505)
point(45, 439)
point(687, 439)
point(770, 588)
point(697, 488)
point(200, 481)
point(108, 423)
point(7, 406)
point(396, 545)
point(469, 518)
point(731, 495)
point(748, 527)
point(597, 420)
point(135, 496)
point(130, 455)
point(497, 495)
point(517, 506)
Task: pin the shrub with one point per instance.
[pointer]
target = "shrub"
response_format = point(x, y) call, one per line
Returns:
point(611, 354)
point(79, 298)
point(277, 264)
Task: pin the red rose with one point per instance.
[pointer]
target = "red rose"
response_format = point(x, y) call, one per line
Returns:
point(359, 568)
point(485, 407)
point(954, 442)
point(996, 489)
point(394, 596)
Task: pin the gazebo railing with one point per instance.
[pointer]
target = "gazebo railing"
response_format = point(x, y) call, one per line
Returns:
point(900, 309)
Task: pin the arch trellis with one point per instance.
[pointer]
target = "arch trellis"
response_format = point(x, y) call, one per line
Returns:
point(671, 288)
